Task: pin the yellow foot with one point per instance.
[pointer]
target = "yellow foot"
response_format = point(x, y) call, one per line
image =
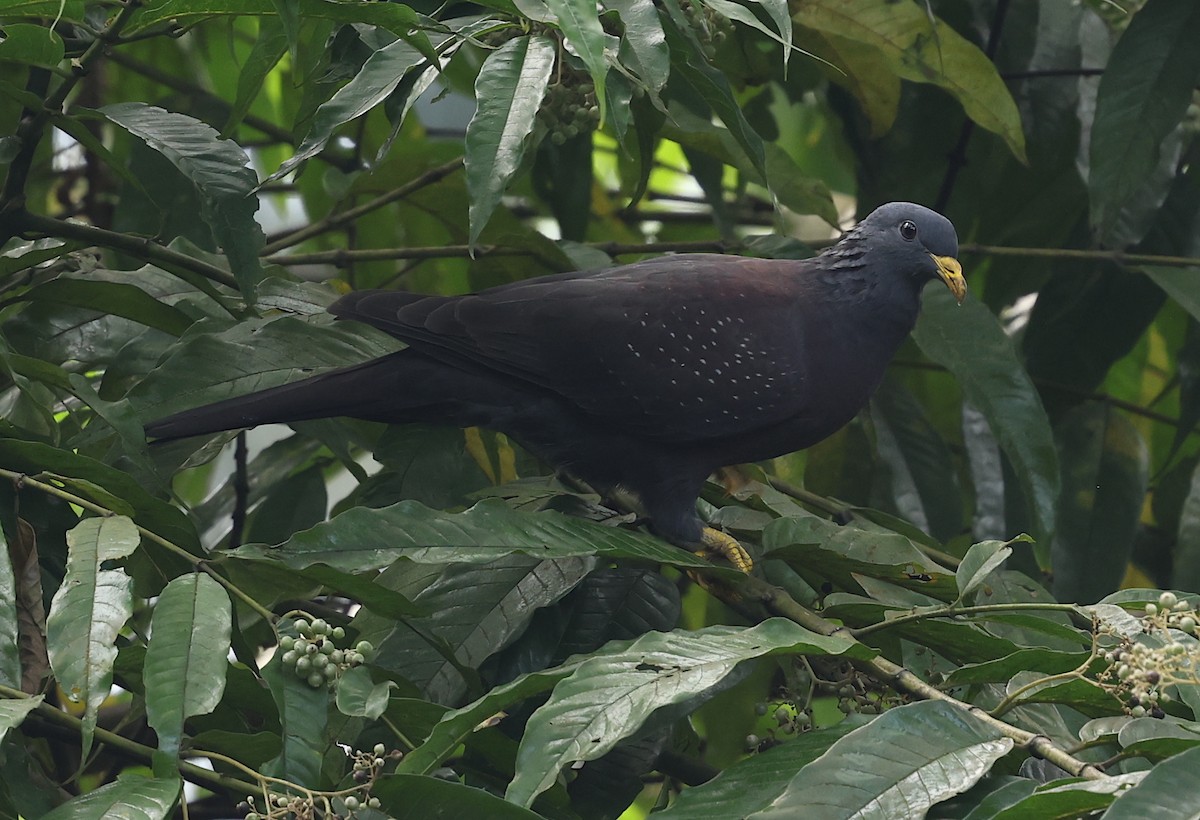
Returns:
point(716, 542)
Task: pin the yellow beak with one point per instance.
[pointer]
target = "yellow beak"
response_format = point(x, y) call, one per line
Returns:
point(950, 272)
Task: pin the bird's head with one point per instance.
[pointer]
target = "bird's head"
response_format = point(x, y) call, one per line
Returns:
point(916, 241)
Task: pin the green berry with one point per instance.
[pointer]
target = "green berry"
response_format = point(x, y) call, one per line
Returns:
point(316, 679)
point(379, 749)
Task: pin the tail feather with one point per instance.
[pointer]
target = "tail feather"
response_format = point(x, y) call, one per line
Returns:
point(371, 391)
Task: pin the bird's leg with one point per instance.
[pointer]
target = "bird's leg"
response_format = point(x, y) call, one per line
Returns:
point(716, 542)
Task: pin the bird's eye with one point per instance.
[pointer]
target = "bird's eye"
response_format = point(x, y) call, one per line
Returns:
point(908, 230)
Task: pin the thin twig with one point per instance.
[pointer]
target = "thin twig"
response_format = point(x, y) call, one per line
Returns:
point(341, 218)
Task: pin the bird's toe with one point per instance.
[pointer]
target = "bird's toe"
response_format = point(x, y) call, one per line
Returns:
point(716, 542)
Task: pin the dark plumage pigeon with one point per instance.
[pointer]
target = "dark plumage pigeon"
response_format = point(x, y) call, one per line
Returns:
point(646, 377)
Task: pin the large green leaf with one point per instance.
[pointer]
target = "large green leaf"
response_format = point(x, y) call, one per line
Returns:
point(968, 341)
point(612, 694)
point(584, 35)
point(187, 654)
point(10, 656)
point(920, 47)
point(362, 539)
point(475, 611)
point(414, 797)
point(750, 785)
point(1105, 468)
point(219, 171)
point(88, 611)
point(131, 797)
point(252, 355)
point(1144, 93)
point(383, 71)
point(899, 765)
point(508, 92)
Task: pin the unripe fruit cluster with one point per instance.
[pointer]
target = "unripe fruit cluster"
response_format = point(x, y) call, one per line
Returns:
point(569, 107)
point(314, 655)
point(1139, 671)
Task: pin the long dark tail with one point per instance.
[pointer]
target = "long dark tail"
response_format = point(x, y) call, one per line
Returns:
point(397, 388)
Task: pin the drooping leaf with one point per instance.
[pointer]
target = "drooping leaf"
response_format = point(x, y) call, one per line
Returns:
point(610, 695)
point(509, 90)
point(219, 171)
point(88, 611)
point(1144, 93)
point(186, 656)
point(969, 342)
point(898, 765)
point(131, 796)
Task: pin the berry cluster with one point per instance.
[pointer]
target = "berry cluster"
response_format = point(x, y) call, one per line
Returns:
point(569, 107)
point(711, 27)
point(315, 657)
point(1140, 670)
point(341, 805)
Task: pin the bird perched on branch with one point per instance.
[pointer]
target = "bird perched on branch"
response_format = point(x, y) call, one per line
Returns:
point(645, 377)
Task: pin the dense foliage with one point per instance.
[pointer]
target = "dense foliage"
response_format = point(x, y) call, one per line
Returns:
point(957, 608)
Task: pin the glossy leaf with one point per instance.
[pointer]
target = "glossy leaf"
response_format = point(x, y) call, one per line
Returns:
point(475, 611)
point(1143, 95)
point(88, 611)
point(509, 90)
point(131, 797)
point(969, 342)
point(361, 539)
point(218, 170)
point(898, 765)
point(981, 560)
point(609, 696)
point(187, 654)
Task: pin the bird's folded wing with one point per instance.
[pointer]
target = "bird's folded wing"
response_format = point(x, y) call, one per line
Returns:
point(683, 348)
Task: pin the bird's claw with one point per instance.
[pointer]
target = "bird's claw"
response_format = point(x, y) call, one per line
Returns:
point(715, 542)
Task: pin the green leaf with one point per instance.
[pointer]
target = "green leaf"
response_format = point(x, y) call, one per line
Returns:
point(1185, 571)
point(508, 92)
point(359, 696)
point(750, 785)
point(921, 48)
point(115, 298)
point(1144, 93)
point(981, 560)
point(581, 27)
point(475, 611)
point(414, 797)
point(83, 473)
point(28, 44)
point(303, 716)
point(131, 797)
point(612, 694)
point(253, 355)
point(219, 171)
point(968, 341)
point(362, 539)
point(10, 655)
point(269, 47)
point(1105, 467)
point(898, 765)
point(14, 711)
point(643, 47)
point(186, 656)
point(864, 72)
point(919, 467)
point(1006, 667)
point(381, 73)
point(89, 609)
point(688, 63)
point(1079, 798)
